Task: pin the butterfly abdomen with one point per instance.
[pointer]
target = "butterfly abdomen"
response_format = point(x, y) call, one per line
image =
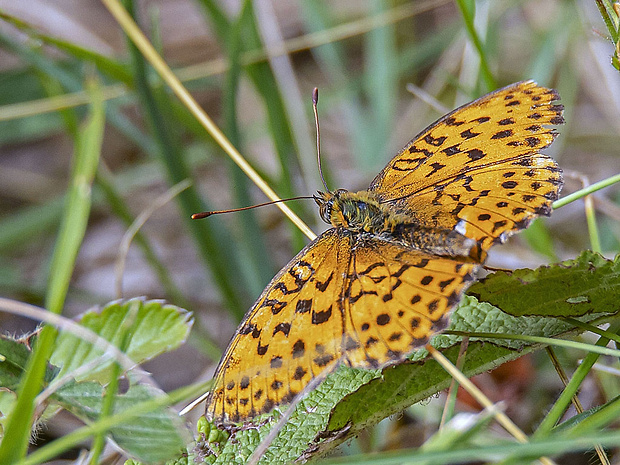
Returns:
point(444, 242)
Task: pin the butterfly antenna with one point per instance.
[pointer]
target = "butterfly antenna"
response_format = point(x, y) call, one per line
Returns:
point(315, 101)
point(201, 215)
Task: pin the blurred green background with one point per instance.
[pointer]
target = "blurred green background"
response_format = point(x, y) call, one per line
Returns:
point(231, 56)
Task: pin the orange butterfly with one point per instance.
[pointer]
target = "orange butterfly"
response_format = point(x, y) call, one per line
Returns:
point(400, 255)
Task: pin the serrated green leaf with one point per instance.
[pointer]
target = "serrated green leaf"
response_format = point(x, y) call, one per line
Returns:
point(403, 385)
point(157, 328)
point(589, 283)
point(372, 396)
point(13, 357)
point(7, 403)
point(153, 437)
point(310, 416)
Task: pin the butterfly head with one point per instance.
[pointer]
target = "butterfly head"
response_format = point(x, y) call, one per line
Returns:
point(336, 208)
point(357, 211)
point(325, 201)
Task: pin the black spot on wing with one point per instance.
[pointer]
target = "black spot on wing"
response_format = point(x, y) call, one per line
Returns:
point(322, 316)
point(468, 134)
point(435, 141)
point(502, 134)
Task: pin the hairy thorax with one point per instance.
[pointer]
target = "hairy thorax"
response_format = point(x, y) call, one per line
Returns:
point(364, 213)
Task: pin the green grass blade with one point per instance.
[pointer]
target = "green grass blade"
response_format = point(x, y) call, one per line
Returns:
point(489, 453)
point(136, 410)
point(380, 84)
point(73, 227)
point(72, 230)
point(211, 240)
point(264, 82)
point(564, 401)
point(73, 82)
point(258, 266)
point(586, 191)
point(468, 12)
point(70, 116)
point(107, 66)
point(606, 10)
point(596, 422)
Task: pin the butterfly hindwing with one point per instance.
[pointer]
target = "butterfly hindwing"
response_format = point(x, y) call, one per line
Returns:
point(395, 298)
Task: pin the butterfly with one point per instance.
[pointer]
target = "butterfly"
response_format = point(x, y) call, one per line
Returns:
point(399, 255)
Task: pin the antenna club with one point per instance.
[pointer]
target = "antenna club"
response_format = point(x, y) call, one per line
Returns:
point(315, 95)
point(199, 216)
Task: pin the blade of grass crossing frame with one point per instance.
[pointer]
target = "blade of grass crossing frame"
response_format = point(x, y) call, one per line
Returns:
point(111, 389)
point(258, 266)
point(72, 229)
point(53, 449)
point(73, 83)
point(380, 85)
point(468, 12)
point(563, 402)
point(606, 10)
point(114, 199)
point(586, 191)
point(211, 240)
point(69, 116)
point(108, 66)
point(262, 78)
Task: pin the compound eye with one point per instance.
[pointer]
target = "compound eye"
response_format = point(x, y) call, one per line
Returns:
point(325, 211)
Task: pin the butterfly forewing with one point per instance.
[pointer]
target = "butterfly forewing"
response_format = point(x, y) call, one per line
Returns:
point(480, 164)
point(290, 335)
